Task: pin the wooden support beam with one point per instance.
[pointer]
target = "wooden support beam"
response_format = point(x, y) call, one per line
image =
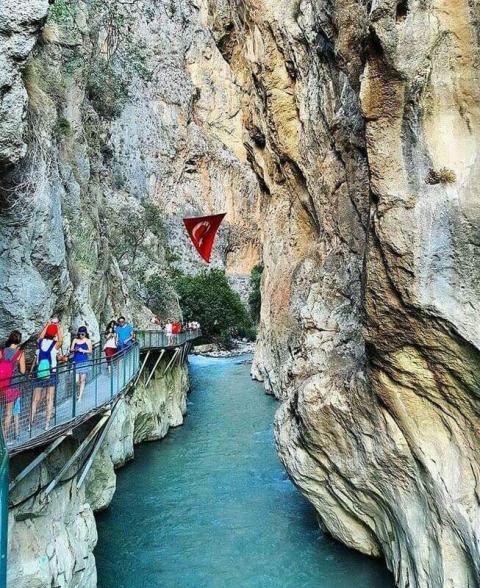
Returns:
point(97, 446)
point(38, 460)
point(160, 355)
point(174, 356)
point(77, 453)
point(142, 366)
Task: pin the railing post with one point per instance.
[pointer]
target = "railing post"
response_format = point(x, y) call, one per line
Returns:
point(96, 375)
point(112, 371)
point(120, 359)
point(74, 390)
point(3, 510)
point(55, 398)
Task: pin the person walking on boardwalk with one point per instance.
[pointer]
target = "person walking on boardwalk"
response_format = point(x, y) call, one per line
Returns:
point(111, 343)
point(12, 359)
point(125, 334)
point(81, 348)
point(44, 367)
point(168, 332)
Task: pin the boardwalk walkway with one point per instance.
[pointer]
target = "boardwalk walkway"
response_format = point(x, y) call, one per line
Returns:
point(104, 383)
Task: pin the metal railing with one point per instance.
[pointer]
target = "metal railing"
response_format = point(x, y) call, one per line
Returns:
point(3, 511)
point(31, 405)
point(157, 339)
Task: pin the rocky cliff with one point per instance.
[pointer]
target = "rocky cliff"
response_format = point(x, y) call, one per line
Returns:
point(117, 119)
point(371, 294)
point(51, 541)
point(341, 137)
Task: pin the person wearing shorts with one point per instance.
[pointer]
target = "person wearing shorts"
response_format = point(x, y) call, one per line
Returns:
point(49, 342)
point(82, 349)
point(12, 353)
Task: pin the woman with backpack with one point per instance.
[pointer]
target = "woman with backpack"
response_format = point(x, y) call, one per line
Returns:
point(81, 348)
point(45, 368)
point(12, 359)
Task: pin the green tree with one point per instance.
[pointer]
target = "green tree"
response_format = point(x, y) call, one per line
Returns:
point(129, 236)
point(209, 298)
point(255, 297)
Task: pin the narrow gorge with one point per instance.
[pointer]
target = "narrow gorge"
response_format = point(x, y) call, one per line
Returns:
point(341, 139)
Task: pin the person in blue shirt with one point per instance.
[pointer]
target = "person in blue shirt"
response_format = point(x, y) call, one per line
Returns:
point(125, 334)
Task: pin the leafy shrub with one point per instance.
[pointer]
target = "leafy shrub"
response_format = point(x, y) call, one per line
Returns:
point(106, 89)
point(255, 297)
point(63, 127)
point(442, 176)
point(63, 11)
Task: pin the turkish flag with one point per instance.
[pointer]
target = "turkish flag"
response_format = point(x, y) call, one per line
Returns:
point(202, 231)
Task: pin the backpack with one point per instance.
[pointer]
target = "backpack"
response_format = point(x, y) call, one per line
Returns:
point(44, 367)
point(7, 367)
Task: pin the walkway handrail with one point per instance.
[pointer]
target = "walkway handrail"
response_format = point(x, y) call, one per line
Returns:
point(147, 339)
point(104, 379)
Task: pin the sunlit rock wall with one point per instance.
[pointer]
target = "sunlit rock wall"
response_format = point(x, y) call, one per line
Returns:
point(370, 289)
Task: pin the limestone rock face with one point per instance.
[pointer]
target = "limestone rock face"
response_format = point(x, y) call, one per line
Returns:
point(341, 138)
point(51, 541)
point(19, 26)
point(370, 289)
point(109, 108)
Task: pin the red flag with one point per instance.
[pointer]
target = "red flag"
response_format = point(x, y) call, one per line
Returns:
point(202, 231)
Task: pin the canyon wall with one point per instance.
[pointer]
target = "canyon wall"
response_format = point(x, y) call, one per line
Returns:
point(51, 541)
point(370, 292)
point(341, 138)
point(117, 120)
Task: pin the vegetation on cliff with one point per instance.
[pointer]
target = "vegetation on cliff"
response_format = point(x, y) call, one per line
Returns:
point(255, 297)
point(208, 298)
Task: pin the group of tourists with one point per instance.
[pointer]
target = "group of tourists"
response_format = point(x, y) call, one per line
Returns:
point(170, 327)
point(119, 335)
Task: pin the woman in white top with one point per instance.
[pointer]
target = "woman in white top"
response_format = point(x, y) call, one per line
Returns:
point(168, 332)
point(111, 343)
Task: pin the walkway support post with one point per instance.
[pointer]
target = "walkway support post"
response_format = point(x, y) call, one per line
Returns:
point(97, 446)
point(38, 460)
point(75, 456)
point(142, 366)
point(174, 357)
point(3, 511)
point(160, 355)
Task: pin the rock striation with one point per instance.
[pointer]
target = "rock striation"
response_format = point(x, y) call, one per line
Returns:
point(51, 541)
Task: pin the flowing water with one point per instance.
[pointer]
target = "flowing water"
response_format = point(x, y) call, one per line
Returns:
point(210, 506)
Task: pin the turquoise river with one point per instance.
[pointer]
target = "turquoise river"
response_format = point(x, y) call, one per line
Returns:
point(211, 506)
